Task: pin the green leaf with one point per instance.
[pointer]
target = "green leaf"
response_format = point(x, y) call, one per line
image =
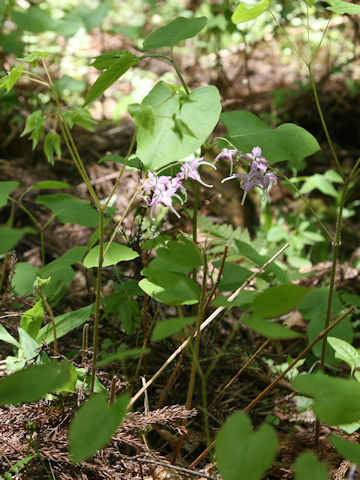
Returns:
point(51, 146)
point(270, 329)
point(200, 113)
point(34, 124)
point(12, 77)
point(69, 209)
point(34, 57)
point(33, 383)
point(286, 142)
point(276, 301)
point(49, 185)
point(65, 323)
point(345, 352)
point(5, 189)
point(29, 346)
point(243, 300)
point(241, 454)
point(9, 237)
point(143, 116)
point(307, 467)
point(319, 182)
point(166, 328)
point(32, 319)
point(348, 450)
point(233, 276)
point(171, 288)
point(95, 18)
point(34, 20)
point(340, 7)
point(6, 337)
point(94, 425)
point(123, 355)
point(133, 162)
point(79, 116)
point(179, 257)
point(23, 280)
point(245, 12)
point(179, 29)
point(106, 59)
point(115, 254)
point(337, 400)
point(249, 252)
point(313, 307)
point(69, 386)
point(107, 78)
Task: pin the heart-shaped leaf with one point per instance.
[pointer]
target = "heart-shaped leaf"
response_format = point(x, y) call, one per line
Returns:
point(246, 12)
point(166, 328)
point(179, 29)
point(94, 424)
point(275, 301)
point(33, 383)
point(170, 288)
point(307, 467)
point(199, 112)
point(116, 253)
point(340, 7)
point(337, 400)
point(241, 454)
point(286, 142)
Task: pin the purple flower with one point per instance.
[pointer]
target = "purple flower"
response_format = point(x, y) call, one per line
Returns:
point(227, 154)
point(190, 170)
point(257, 176)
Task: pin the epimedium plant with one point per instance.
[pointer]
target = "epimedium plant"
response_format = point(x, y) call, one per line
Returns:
point(173, 127)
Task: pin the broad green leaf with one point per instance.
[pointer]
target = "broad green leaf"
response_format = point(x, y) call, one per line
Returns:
point(34, 126)
point(143, 116)
point(340, 7)
point(166, 328)
point(276, 301)
point(348, 450)
point(199, 111)
point(337, 400)
point(248, 11)
point(6, 337)
point(123, 355)
point(24, 277)
point(179, 29)
point(171, 288)
point(319, 182)
point(34, 20)
point(33, 383)
point(310, 2)
point(79, 116)
point(241, 454)
point(65, 323)
point(115, 254)
point(106, 59)
point(69, 209)
point(243, 300)
point(270, 329)
point(133, 161)
point(107, 78)
point(9, 237)
point(233, 276)
point(5, 189)
point(69, 386)
point(32, 319)
point(346, 352)
point(286, 142)
point(249, 252)
point(94, 425)
point(307, 467)
point(49, 185)
point(178, 257)
point(313, 307)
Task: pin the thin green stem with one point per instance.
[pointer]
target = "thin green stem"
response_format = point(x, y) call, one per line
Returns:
point(194, 220)
point(323, 122)
point(98, 300)
point(133, 140)
point(173, 63)
point(314, 55)
point(287, 37)
point(52, 317)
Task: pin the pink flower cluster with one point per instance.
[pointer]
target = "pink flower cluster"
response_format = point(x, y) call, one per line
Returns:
point(161, 190)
